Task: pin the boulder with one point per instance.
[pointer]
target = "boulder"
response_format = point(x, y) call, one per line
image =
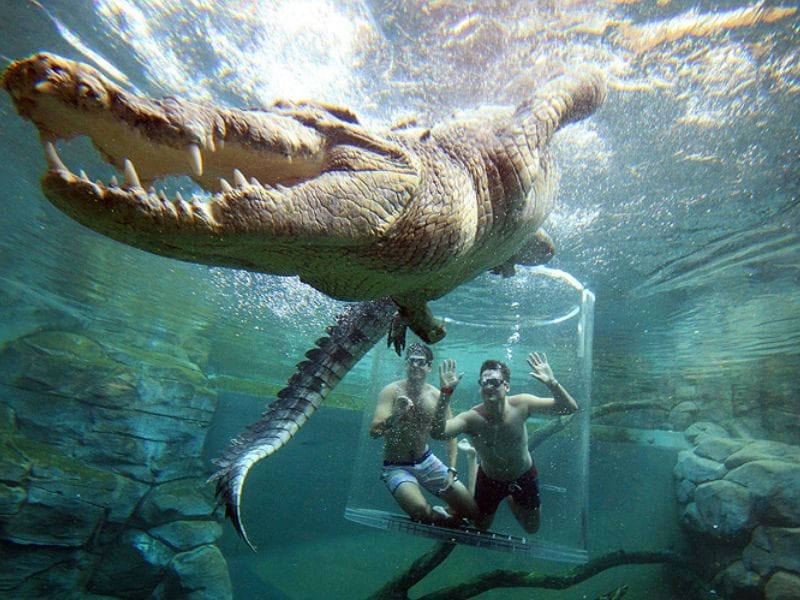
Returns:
point(182, 499)
point(772, 548)
point(141, 412)
point(701, 427)
point(724, 508)
point(757, 492)
point(737, 581)
point(200, 574)
point(684, 490)
point(65, 502)
point(24, 563)
point(782, 586)
point(776, 486)
point(696, 468)
point(132, 567)
point(88, 436)
point(12, 497)
point(690, 517)
point(185, 535)
point(762, 450)
point(683, 414)
point(717, 448)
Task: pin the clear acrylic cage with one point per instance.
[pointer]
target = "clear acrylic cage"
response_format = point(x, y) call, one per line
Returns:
point(543, 310)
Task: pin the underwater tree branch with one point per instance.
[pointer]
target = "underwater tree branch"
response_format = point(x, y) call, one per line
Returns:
point(397, 589)
point(508, 579)
point(615, 407)
point(537, 436)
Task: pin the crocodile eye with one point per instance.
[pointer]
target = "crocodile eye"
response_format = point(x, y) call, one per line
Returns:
point(86, 91)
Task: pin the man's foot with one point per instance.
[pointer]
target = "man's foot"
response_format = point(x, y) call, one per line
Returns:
point(440, 513)
point(442, 518)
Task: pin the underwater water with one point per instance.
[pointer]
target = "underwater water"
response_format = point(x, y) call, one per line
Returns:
point(123, 374)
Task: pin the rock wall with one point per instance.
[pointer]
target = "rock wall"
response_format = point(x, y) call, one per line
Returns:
point(740, 501)
point(102, 486)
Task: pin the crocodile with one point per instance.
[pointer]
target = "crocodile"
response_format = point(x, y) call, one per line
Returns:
point(390, 219)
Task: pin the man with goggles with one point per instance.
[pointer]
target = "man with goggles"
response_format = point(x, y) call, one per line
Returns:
point(496, 428)
point(403, 417)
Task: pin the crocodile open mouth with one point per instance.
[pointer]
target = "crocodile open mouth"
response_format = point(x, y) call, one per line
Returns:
point(232, 154)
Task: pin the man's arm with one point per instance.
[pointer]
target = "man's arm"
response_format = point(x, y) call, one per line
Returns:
point(445, 426)
point(385, 416)
point(443, 421)
point(452, 455)
point(561, 402)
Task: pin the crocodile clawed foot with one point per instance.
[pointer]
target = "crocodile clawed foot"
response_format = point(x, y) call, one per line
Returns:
point(396, 337)
point(418, 316)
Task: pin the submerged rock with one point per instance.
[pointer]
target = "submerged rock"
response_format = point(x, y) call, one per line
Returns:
point(65, 501)
point(177, 500)
point(102, 485)
point(724, 508)
point(745, 493)
point(773, 548)
point(776, 486)
point(186, 535)
point(704, 427)
point(783, 586)
point(199, 574)
point(143, 415)
point(698, 469)
point(716, 448)
point(132, 567)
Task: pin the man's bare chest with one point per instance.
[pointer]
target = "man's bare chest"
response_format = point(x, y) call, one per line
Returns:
point(501, 432)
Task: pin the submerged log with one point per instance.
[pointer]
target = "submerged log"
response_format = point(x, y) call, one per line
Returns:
point(398, 588)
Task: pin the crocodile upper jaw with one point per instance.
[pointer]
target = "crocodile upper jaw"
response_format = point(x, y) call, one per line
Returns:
point(165, 137)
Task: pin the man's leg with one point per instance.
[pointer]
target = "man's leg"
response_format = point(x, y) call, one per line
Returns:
point(483, 522)
point(472, 463)
point(460, 501)
point(410, 498)
point(487, 497)
point(524, 501)
point(529, 518)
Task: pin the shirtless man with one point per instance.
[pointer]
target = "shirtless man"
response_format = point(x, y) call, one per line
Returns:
point(403, 418)
point(497, 430)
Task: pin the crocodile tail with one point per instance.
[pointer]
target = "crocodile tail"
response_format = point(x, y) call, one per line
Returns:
point(562, 101)
point(357, 330)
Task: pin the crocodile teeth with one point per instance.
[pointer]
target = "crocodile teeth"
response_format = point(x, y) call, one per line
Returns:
point(195, 159)
point(239, 178)
point(53, 161)
point(226, 187)
point(131, 177)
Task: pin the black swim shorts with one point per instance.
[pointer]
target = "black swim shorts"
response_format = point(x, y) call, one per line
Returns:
point(489, 493)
